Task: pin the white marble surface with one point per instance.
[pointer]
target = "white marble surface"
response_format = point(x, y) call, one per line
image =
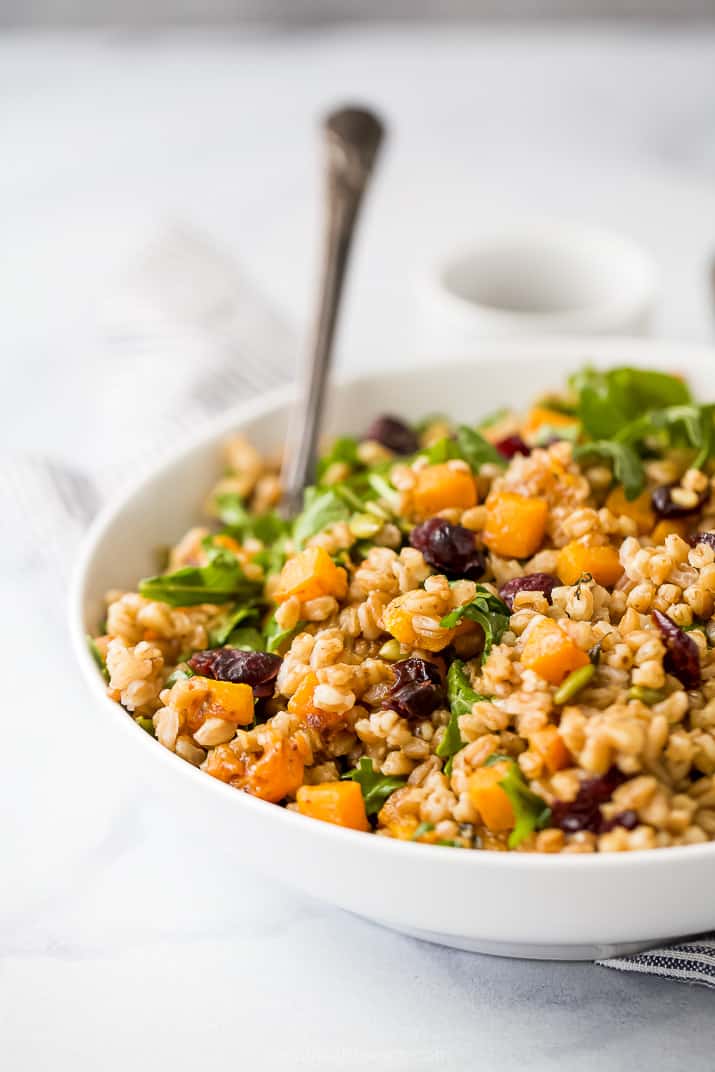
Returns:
point(122, 943)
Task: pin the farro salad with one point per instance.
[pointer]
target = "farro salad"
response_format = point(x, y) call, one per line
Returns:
point(496, 636)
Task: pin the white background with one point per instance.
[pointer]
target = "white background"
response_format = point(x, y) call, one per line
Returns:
point(123, 943)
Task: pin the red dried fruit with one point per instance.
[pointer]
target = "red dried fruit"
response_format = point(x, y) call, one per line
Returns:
point(702, 537)
point(417, 690)
point(584, 813)
point(511, 445)
point(682, 658)
point(394, 434)
point(258, 669)
point(530, 582)
point(449, 548)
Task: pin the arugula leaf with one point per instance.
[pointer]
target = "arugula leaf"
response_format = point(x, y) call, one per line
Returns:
point(221, 580)
point(530, 810)
point(476, 450)
point(376, 787)
point(232, 513)
point(422, 829)
point(320, 509)
point(277, 638)
point(98, 658)
point(442, 450)
point(609, 400)
point(220, 633)
point(247, 638)
point(460, 696)
point(675, 426)
point(344, 449)
point(627, 466)
point(486, 609)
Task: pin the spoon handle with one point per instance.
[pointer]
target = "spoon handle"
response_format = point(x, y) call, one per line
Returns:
point(352, 138)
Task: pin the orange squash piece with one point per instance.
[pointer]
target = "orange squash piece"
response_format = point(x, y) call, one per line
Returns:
point(439, 487)
point(301, 702)
point(398, 621)
point(548, 744)
point(276, 774)
point(542, 417)
point(200, 698)
point(639, 509)
point(676, 526)
point(551, 653)
point(309, 574)
point(577, 558)
point(515, 524)
point(334, 802)
point(489, 798)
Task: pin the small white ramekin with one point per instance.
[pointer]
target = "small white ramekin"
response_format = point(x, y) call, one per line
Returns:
point(541, 279)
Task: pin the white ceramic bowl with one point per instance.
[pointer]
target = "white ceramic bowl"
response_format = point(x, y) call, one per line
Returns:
point(538, 279)
point(571, 907)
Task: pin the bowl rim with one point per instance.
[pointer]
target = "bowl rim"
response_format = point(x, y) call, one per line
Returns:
point(210, 432)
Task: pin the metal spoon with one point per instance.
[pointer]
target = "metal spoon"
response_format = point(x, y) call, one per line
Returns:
point(352, 138)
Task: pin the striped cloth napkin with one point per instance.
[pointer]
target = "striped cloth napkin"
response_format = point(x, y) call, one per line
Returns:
point(222, 343)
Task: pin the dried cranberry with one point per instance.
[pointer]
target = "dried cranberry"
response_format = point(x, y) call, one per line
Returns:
point(530, 582)
point(449, 548)
point(511, 445)
point(627, 819)
point(255, 668)
point(682, 658)
point(417, 690)
point(393, 434)
point(702, 537)
point(662, 501)
point(584, 813)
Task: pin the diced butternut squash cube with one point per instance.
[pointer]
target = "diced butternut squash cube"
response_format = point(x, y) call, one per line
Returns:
point(200, 698)
point(551, 653)
point(601, 561)
point(278, 773)
point(549, 744)
point(440, 487)
point(309, 574)
point(639, 509)
point(542, 417)
point(397, 620)
point(674, 526)
point(515, 524)
point(489, 798)
point(301, 702)
point(334, 802)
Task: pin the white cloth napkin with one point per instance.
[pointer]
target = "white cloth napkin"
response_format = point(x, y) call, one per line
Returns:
point(197, 337)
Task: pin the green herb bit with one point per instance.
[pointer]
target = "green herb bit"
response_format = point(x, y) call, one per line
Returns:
point(645, 695)
point(221, 580)
point(576, 681)
point(422, 829)
point(461, 697)
point(531, 812)
point(321, 508)
point(376, 787)
point(627, 466)
point(277, 639)
point(548, 432)
point(98, 658)
point(345, 450)
point(488, 611)
point(146, 724)
point(240, 523)
point(181, 673)
point(476, 450)
point(220, 633)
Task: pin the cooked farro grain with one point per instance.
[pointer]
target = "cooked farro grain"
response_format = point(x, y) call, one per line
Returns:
point(578, 718)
